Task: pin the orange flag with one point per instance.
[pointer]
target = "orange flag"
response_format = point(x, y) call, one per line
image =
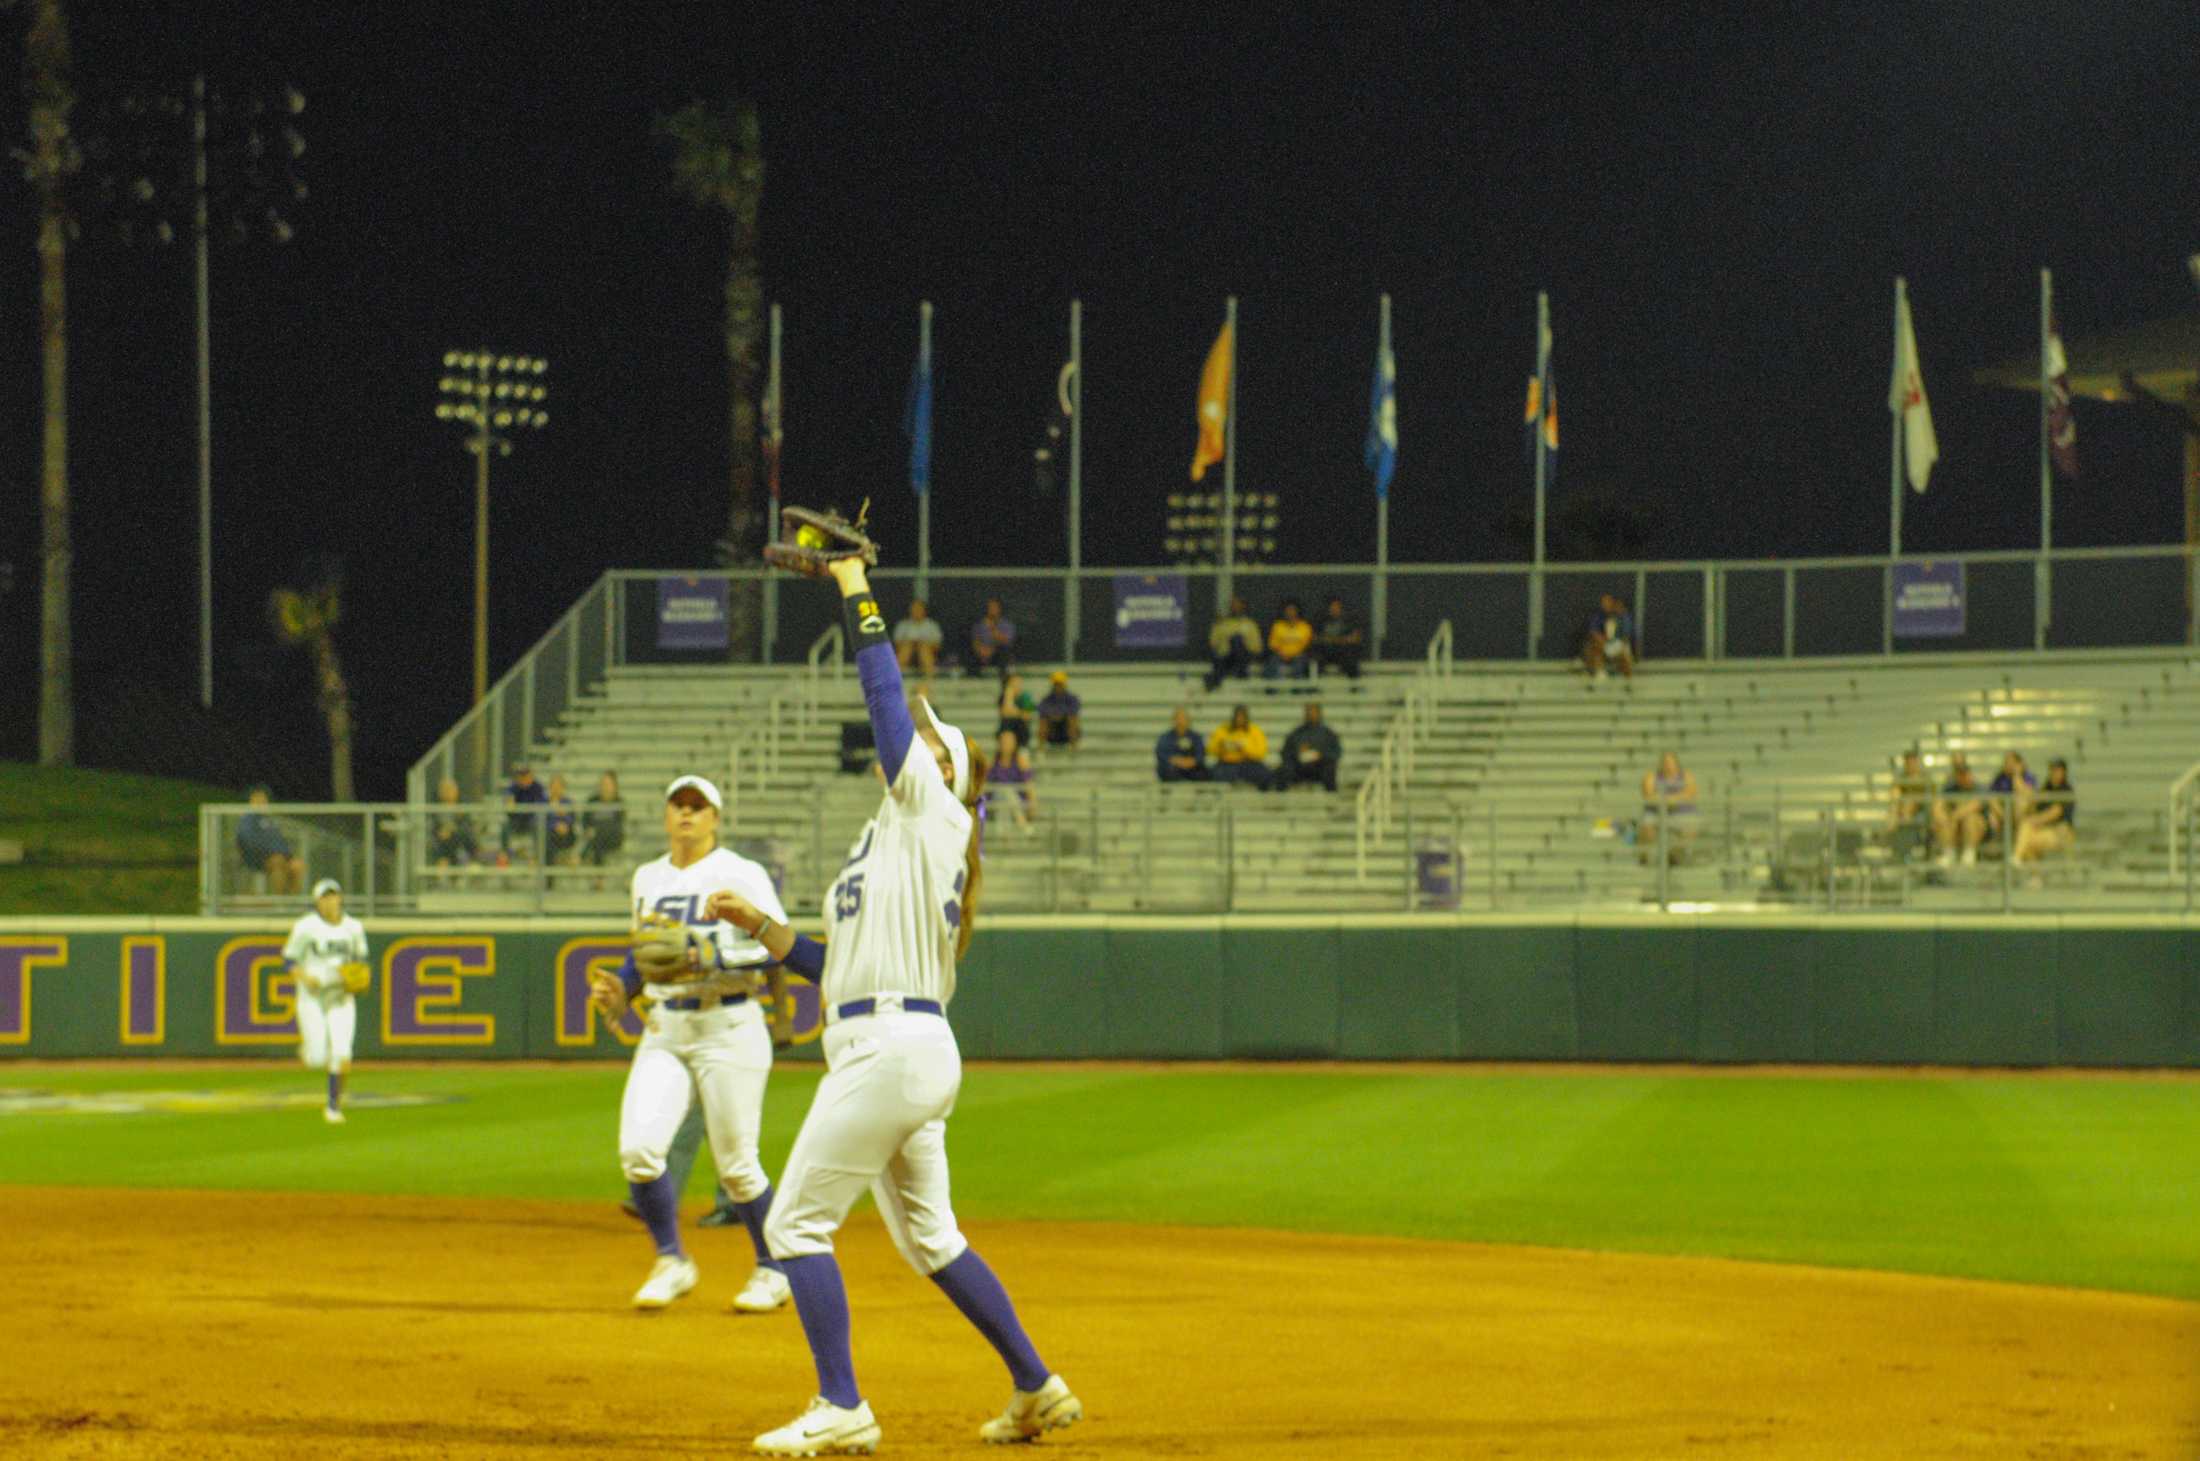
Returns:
point(1214, 405)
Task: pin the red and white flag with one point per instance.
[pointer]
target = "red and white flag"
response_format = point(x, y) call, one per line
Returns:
point(1906, 399)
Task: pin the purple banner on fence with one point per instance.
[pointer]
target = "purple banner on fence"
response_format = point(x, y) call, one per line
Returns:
point(1928, 600)
point(1149, 610)
point(691, 613)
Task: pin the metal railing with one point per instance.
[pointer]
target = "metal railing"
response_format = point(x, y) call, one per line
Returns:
point(2184, 793)
point(1192, 848)
point(1375, 804)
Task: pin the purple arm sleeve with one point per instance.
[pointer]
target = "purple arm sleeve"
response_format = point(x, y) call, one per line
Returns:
point(631, 977)
point(806, 958)
point(891, 728)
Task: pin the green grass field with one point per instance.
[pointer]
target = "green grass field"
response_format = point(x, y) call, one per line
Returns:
point(2040, 1180)
point(98, 841)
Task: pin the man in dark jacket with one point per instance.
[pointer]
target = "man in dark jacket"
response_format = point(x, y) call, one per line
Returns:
point(1310, 754)
point(1180, 755)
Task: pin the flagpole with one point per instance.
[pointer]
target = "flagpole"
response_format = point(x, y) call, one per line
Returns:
point(771, 520)
point(1542, 371)
point(924, 498)
point(1894, 484)
point(1380, 610)
point(2043, 606)
point(1073, 593)
point(1229, 467)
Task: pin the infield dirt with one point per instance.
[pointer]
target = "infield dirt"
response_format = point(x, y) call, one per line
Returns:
point(192, 1325)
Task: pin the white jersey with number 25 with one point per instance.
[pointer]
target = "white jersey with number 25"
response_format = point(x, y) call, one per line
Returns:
point(895, 910)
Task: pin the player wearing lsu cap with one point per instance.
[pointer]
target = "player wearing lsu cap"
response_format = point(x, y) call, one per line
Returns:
point(702, 1037)
point(901, 912)
point(321, 943)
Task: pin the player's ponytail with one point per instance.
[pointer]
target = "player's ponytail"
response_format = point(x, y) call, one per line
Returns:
point(973, 867)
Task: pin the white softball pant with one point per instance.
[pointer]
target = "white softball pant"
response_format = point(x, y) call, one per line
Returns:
point(725, 1056)
point(879, 1120)
point(325, 1027)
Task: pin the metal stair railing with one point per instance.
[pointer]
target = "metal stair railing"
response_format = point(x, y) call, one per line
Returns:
point(1375, 804)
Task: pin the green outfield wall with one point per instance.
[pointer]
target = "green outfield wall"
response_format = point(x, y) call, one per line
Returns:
point(2072, 990)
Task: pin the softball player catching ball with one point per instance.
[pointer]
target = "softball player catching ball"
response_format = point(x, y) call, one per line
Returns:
point(900, 914)
point(703, 1036)
point(321, 943)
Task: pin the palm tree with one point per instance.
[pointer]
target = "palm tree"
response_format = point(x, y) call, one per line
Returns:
point(309, 618)
point(718, 162)
point(53, 157)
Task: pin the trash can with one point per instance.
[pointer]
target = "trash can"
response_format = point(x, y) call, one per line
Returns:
point(1436, 866)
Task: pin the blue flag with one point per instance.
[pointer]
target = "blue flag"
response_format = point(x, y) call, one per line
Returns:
point(1381, 451)
point(916, 422)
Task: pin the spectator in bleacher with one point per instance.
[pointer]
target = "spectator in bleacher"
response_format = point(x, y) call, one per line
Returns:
point(1608, 640)
point(2052, 824)
point(523, 828)
point(604, 822)
point(1339, 642)
point(2013, 798)
point(1179, 754)
point(1060, 713)
point(1011, 787)
point(1234, 643)
point(453, 840)
point(1959, 816)
point(1017, 707)
point(561, 825)
point(917, 639)
point(1310, 754)
point(1668, 797)
point(265, 849)
point(1910, 807)
point(992, 641)
point(1239, 751)
point(1289, 639)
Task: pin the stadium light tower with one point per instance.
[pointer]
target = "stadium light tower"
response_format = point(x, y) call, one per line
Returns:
point(493, 395)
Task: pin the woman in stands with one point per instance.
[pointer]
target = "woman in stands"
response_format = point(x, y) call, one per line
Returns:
point(1668, 792)
point(2052, 823)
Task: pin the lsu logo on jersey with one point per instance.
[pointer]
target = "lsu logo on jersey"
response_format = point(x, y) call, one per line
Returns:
point(685, 907)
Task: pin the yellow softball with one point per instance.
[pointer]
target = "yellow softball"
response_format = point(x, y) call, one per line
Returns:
point(807, 536)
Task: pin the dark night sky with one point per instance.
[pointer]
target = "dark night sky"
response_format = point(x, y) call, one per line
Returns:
point(1717, 207)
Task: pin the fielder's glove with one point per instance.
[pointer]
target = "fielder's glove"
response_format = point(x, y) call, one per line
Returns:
point(811, 542)
point(356, 977)
point(667, 951)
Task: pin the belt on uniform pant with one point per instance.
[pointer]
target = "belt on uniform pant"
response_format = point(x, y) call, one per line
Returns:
point(856, 1008)
point(705, 1001)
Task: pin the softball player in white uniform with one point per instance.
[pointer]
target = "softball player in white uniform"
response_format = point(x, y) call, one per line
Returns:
point(321, 943)
point(704, 1037)
point(899, 915)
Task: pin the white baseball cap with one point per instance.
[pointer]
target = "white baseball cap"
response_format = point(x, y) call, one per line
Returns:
point(958, 751)
point(710, 792)
point(326, 885)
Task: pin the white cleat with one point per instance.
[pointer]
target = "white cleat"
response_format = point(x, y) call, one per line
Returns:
point(1031, 1413)
point(766, 1290)
point(332, 1116)
point(823, 1430)
point(672, 1277)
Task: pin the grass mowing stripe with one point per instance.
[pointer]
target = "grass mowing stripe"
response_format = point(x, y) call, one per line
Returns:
point(2053, 1181)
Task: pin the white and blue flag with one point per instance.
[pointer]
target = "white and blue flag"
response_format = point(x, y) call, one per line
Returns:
point(1381, 451)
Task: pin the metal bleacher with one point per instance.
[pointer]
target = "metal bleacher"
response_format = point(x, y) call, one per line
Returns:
point(1468, 784)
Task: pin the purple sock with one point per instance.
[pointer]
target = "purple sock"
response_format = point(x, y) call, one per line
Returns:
point(822, 1301)
point(659, 1206)
point(335, 1090)
point(753, 1212)
point(985, 1303)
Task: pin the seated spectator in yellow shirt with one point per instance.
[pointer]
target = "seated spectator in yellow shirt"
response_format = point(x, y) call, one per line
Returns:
point(1239, 751)
point(1288, 640)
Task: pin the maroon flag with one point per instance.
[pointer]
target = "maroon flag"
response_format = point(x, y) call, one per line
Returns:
point(2062, 427)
